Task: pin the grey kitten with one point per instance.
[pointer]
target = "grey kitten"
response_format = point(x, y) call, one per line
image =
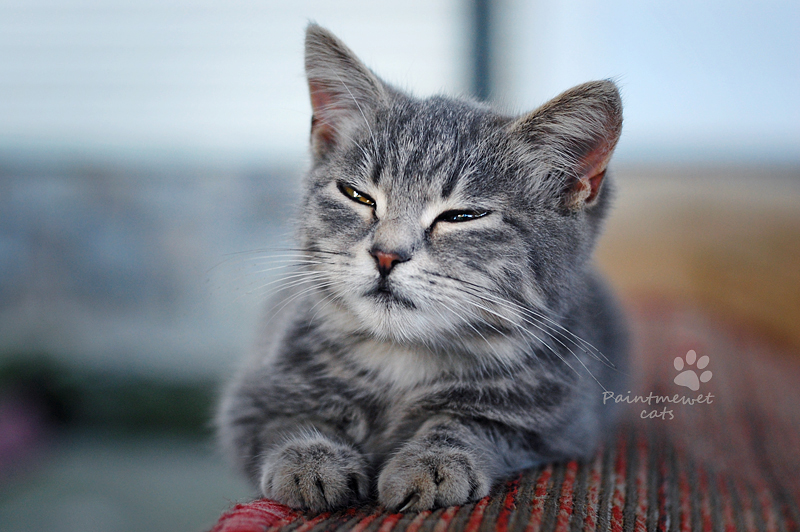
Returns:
point(444, 325)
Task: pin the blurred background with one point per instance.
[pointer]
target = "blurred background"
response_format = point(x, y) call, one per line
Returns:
point(150, 157)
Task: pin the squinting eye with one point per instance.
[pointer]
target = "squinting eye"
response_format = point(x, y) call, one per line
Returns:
point(460, 216)
point(355, 195)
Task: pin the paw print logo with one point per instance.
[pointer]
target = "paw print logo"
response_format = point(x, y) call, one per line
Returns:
point(689, 377)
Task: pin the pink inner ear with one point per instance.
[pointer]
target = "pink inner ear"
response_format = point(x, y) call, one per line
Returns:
point(321, 105)
point(593, 170)
point(594, 186)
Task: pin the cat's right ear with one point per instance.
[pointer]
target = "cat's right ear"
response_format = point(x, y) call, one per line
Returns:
point(344, 92)
point(572, 138)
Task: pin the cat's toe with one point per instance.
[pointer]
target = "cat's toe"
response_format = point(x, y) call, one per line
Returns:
point(314, 474)
point(420, 479)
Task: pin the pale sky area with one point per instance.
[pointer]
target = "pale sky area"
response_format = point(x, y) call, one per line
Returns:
point(209, 80)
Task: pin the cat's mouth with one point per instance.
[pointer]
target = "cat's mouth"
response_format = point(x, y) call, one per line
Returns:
point(383, 293)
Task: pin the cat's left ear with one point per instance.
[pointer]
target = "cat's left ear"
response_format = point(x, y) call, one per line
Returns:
point(574, 135)
point(344, 92)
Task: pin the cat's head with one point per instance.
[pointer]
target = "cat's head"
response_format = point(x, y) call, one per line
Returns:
point(428, 220)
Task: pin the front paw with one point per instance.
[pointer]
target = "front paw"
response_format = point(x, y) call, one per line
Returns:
point(421, 477)
point(315, 474)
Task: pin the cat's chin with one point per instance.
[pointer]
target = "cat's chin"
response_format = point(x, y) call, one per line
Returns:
point(388, 299)
point(396, 320)
point(421, 330)
point(387, 317)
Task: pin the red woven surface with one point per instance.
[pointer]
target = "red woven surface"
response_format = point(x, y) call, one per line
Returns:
point(254, 517)
point(726, 466)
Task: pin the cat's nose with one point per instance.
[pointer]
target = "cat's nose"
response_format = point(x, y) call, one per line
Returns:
point(387, 260)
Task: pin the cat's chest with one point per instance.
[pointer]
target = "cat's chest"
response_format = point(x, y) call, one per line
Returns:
point(390, 372)
point(382, 382)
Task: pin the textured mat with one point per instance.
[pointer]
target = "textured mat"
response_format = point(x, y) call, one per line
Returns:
point(726, 465)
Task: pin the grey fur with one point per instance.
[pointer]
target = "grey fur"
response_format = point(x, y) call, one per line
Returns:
point(478, 351)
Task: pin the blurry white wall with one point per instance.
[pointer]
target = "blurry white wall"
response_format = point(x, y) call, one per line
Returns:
point(199, 79)
point(207, 79)
point(711, 81)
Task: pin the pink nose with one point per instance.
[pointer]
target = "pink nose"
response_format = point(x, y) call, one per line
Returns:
point(386, 261)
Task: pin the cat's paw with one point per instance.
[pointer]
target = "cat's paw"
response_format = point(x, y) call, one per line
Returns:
point(422, 477)
point(314, 474)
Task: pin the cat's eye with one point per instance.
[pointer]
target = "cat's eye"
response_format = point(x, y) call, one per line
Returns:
point(355, 195)
point(460, 216)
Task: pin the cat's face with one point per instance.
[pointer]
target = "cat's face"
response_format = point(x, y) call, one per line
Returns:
point(415, 231)
point(431, 220)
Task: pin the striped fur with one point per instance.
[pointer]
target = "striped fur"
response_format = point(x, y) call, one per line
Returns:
point(420, 357)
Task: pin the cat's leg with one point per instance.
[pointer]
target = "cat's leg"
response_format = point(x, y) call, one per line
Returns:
point(311, 469)
point(444, 464)
point(297, 447)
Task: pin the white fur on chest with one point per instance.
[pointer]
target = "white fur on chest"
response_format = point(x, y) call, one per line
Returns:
point(397, 367)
